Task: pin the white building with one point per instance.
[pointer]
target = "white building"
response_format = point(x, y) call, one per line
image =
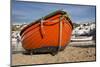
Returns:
point(84, 29)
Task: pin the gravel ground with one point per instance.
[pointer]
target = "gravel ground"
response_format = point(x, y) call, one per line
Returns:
point(74, 52)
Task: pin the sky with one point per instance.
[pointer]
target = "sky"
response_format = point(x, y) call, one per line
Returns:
point(26, 12)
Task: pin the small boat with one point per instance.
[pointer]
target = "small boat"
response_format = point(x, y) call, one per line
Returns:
point(80, 38)
point(48, 34)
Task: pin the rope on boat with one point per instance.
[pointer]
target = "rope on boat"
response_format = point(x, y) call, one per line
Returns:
point(60, 33)
point(60, 30)
point(42, 30)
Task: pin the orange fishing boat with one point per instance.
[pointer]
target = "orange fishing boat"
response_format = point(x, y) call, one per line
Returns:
point(48, 34)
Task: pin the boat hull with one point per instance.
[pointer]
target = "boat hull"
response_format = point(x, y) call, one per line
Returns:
point(50, 33)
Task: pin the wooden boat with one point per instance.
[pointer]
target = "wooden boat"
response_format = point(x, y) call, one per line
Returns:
point(48, 34)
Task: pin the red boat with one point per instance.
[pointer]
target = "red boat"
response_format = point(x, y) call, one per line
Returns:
point(48, 34)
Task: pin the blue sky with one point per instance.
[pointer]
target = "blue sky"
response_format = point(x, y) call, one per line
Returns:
point(26, 12)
